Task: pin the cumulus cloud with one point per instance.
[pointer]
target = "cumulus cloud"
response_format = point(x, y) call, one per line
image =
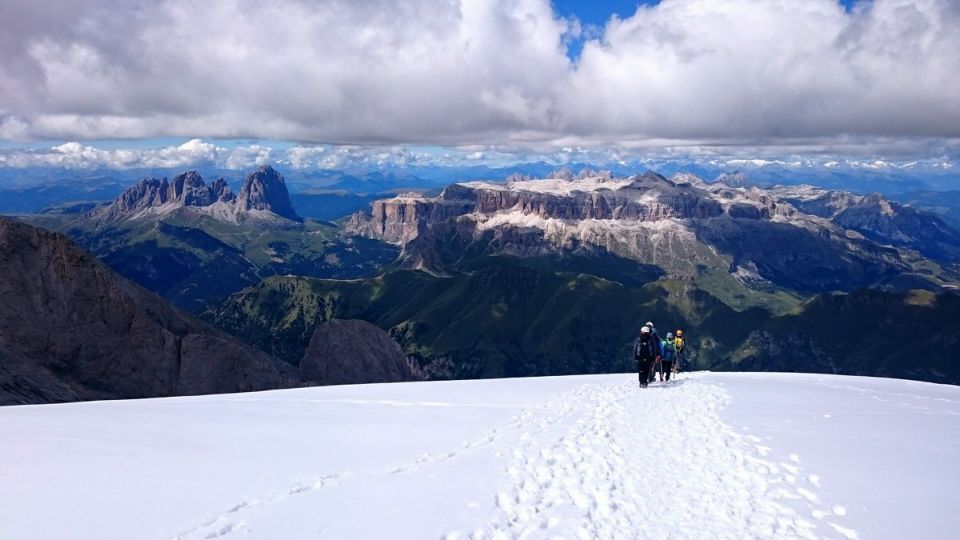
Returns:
point(478, 72)
point(193, 153)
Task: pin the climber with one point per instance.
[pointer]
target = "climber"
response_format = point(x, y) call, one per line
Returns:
point(646, 351)
point(656, 339)
point(681, 346)
point(669, 356)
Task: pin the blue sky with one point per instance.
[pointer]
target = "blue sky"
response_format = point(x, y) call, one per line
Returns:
point(597, 13)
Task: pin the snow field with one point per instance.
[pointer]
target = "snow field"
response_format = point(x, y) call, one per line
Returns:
point(615, 461)
point(713, 455)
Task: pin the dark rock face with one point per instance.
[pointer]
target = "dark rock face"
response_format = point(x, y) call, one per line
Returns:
point(67, 314)
point(265, 189)
point(354, 352)
point(22, 382)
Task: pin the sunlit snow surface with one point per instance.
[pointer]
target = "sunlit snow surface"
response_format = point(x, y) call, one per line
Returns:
point(709, 456)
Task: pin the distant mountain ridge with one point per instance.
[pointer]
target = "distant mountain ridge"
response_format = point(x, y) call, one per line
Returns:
point(683, 225)
point(263, 195)
point(194, 242)
point(879, 219)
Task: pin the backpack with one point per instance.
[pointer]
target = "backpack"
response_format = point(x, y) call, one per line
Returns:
point(644, 348)
point(669, 349)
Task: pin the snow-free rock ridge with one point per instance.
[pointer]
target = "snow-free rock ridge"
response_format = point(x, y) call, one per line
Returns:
point(263, 195)
point(681, 225)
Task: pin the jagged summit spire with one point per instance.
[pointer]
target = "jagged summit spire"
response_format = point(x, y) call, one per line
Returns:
point(265, 189)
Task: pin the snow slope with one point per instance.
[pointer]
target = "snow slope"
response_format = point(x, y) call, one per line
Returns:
point(710, 456)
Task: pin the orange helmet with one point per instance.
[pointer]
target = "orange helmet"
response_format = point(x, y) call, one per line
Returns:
point(679, 333)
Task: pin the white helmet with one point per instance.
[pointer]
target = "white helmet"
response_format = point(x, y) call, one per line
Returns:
point(645, 330)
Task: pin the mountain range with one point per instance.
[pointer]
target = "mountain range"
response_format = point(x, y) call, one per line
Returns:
point(553, 276)
point(263, 195)
point(195, 243)
point(488, 279)
point(72, 329)
point(802, 240)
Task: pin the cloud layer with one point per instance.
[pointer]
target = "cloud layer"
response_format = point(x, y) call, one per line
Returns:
point(364, 158)
point(480, 72)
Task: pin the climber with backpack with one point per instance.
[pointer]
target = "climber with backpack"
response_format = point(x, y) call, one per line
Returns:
point(646, 350)
point(669, 354)
point(656, 361)
point(680, 345)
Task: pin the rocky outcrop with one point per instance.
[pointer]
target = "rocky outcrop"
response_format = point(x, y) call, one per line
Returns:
point(65, 313)
point(22, 382)
point(264, 193)
point(403, 218)
point(186, 189)
point(190, 190)
point(354, 352)
point(264, 189)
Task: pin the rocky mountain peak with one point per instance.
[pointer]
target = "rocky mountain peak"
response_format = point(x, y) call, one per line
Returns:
point(265, 189)
point(189, 189)
point(355, 352)
point(734, 179)
point(222, 191)
point(648, 180)
point(144, 194)
point(879, 203)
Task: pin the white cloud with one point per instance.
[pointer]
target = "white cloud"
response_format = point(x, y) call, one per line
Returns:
point(478, 72)
point(918, 158)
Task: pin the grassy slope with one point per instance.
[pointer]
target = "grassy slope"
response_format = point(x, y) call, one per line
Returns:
point(504, 318)
point(511, 317)
point(192, 259)
point(912, 335)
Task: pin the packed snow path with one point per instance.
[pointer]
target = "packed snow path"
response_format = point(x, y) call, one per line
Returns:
point(615, 461)
point(709, 456)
